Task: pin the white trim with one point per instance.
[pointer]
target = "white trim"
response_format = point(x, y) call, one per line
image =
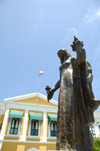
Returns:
point(97, 131)
point(26, 96)
point(52, 138)
point(44, 126)
point(33, 107)
point(4, 123)
point(23, 137)
point(49, 129)
point(9, 126)
point(10, 135)
point(33, 137)
point(4, 126)
point(37, 142)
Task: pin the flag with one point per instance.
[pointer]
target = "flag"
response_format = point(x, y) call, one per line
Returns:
point(41, 72)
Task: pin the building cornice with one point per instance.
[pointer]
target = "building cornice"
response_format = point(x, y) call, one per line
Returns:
point(36, 142)
point(33, 107)
point(27, 96)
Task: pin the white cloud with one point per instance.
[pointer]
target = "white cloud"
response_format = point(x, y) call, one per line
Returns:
point(92, 15)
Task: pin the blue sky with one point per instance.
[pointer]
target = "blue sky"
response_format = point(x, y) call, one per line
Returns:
point(32, 31)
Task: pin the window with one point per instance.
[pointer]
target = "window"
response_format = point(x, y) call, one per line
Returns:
point(92, 129)
point(53, 128)
point(35, 121)
point(15, 119)
point(34, 127)
point(14, 126)
point(52, 119)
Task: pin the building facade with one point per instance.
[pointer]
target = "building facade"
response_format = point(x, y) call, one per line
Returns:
point(29, 122)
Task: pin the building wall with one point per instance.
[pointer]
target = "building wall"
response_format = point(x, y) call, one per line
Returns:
point(16, 143)
point(19, 146)
point(1, 121)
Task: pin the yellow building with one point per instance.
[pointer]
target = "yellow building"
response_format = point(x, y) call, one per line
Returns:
point(28, 123)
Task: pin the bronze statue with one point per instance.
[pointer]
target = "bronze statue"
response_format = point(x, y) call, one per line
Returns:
point(76, 102)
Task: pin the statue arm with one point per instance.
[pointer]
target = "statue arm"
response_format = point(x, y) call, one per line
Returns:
point(50, 91)
point(81, 57)
point(57, 85)
point(80, 51)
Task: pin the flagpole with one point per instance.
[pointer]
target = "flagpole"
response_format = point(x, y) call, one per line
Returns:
point(37, 88)
point(38, 82)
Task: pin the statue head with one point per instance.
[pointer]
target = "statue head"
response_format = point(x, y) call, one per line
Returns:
point(63, 54)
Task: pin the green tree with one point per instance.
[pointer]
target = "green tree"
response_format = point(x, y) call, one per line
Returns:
point(96, 144)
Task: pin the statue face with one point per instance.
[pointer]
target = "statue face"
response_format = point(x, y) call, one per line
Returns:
point(63, 55)
point(62, 58)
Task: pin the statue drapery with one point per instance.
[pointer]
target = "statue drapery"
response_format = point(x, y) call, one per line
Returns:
point(76, 101)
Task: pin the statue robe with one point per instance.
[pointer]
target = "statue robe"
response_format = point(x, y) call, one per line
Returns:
point(75, 98)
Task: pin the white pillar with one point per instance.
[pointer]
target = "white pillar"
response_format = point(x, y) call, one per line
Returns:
point(4, 127)
point(23, 138)
point(97, 130)
point(45, 127)
point(4, 123)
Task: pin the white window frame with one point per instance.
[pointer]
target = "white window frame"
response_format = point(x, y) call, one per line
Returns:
point(29, 131)
point(9, 126)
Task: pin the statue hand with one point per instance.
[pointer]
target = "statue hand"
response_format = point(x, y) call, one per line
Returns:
point(80, 51)
point(50, 92)
point(77, 45)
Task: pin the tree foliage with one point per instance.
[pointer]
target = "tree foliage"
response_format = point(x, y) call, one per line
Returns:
point(96, 144)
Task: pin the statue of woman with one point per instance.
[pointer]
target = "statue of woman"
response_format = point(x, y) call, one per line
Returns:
point(76, 100)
